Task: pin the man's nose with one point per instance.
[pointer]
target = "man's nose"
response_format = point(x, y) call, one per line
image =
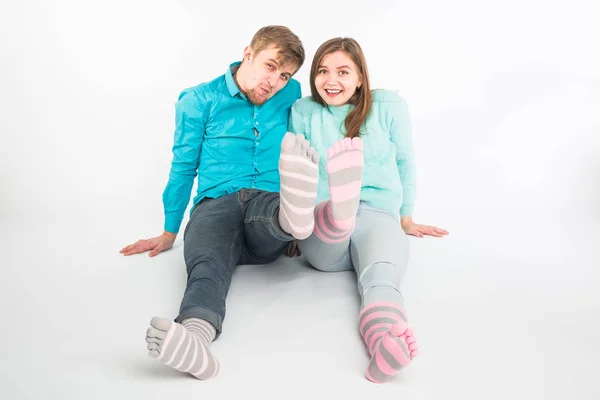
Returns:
point(274, 79)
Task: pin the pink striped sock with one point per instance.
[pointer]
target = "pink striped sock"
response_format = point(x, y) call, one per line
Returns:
point(185, 346)
point(390, 342)
point(334, 219)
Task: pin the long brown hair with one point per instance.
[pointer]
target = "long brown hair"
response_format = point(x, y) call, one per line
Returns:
point(361, 99)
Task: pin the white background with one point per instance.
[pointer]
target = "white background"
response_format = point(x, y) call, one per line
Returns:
point(505, 103)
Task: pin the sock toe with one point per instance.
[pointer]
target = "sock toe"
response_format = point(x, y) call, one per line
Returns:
point(161, 324)
point(399, 328)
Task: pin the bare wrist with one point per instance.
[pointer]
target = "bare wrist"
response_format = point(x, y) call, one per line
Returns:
point(170, 235)
point(407, 219)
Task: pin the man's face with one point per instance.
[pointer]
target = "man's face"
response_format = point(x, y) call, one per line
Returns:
point(264, 74)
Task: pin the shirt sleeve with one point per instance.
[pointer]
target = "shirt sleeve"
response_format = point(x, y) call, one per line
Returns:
point(189, 133)
point(401, 137)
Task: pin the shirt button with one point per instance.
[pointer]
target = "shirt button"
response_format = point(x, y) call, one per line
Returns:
point(256, 123)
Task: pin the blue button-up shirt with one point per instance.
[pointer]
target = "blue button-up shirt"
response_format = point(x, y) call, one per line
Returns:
point(225, 140)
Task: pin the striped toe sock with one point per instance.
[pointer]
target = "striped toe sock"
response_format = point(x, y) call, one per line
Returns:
point(390, 342)
point(335, 218)
point(299, 176)
point(185, 346)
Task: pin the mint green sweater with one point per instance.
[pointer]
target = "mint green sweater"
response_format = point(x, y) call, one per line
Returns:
point(389, 172)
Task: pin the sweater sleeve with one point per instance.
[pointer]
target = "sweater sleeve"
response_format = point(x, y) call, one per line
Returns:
point(401, 137)
point(296, 122)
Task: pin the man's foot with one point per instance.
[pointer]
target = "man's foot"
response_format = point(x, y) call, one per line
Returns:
point(299, 176)
point(335, 218)
point(185, 346)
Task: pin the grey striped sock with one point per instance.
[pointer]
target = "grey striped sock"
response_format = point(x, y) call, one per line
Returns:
point(185, 346)
point(299, 178)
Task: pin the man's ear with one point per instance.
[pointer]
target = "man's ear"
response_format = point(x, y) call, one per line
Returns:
point(248, 53)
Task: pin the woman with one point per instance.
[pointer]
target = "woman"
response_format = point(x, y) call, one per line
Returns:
point(365, 195)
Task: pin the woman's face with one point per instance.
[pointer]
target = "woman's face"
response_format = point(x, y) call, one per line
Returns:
point(337, 78)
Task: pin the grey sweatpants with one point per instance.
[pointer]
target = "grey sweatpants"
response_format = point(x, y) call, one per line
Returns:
point(377, 250)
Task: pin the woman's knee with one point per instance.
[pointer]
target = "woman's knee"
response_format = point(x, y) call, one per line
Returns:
point(381, 273)
point(322, 264)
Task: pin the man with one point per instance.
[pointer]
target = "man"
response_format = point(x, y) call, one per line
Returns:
point(231, 133)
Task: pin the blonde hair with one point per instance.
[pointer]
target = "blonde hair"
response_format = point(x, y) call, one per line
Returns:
point(291, 50)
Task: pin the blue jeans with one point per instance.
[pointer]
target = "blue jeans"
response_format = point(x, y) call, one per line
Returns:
point(239, 228)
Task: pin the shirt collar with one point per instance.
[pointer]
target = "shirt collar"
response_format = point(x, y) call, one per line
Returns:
point(231, 85)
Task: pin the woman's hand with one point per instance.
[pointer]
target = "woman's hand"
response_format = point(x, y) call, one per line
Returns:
point(418, 230)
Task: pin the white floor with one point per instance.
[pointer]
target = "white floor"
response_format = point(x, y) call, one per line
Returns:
point(498, 314)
